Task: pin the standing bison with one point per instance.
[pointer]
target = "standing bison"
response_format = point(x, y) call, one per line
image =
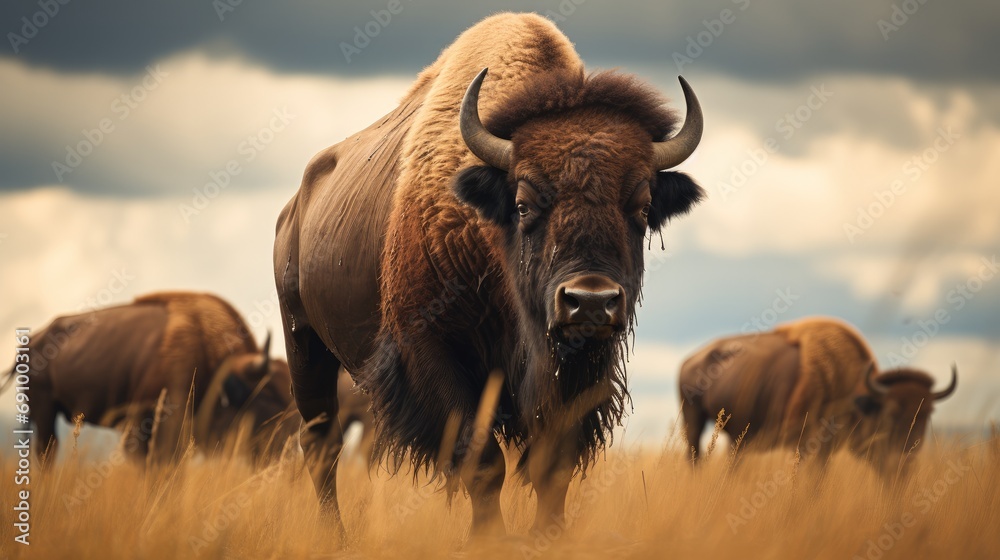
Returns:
point(112, 364)
point(811, 383)
point(436, 247)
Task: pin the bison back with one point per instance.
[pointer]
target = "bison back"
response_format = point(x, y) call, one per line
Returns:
point(330, 236)
point(95, 363)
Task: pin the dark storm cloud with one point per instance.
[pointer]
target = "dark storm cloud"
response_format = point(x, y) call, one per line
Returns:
point(762, 39)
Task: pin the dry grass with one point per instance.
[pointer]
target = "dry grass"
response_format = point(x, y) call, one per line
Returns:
point(634, 504)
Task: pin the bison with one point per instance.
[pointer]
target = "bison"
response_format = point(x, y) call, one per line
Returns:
point(491, 227)
point(808, 384)
point(111, 364)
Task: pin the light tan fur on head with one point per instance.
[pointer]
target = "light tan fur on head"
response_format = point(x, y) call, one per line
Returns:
point(433, 150)
point(532, 44)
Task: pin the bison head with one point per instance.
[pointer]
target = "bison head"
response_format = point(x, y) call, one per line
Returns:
point(895, 411)
point(574, 182)
point(250, 386)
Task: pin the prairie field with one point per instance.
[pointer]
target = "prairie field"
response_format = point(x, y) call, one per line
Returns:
point(634, 503)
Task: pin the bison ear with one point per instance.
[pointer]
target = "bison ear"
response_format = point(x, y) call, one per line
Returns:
point(867, 404)
point(673, 194)
point(235, 392)
point(485, 189)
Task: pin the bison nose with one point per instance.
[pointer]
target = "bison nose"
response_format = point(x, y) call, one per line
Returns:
point(590, 302)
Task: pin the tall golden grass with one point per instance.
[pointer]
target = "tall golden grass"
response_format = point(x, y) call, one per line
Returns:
point(635, 503)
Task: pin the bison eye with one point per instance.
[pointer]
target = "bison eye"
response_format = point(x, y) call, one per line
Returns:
point(523, 210)
point(645, 210)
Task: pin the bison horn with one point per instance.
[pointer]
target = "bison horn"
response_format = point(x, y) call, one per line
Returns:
point(491, 149)
point(951, 387)
point(670, 153)
point(874, 386)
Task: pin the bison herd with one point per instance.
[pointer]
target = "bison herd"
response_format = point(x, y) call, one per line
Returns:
point(474, 259)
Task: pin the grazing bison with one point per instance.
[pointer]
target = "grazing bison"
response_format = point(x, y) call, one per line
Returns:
point(434, 248)
point(111, 365)
point(815, 367)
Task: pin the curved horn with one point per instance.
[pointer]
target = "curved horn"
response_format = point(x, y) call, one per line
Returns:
point(670, 153)
point(265, 349)
point(951, 387)
point(492, 149)
point(874, 386)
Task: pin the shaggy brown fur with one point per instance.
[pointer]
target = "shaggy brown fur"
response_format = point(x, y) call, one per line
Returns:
point(534, 77)
point(454, 246)
point(566, 89)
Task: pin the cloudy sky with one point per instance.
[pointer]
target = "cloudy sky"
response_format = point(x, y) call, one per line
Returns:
point(849, 153)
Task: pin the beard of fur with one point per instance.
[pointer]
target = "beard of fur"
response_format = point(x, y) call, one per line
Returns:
point(577, 387)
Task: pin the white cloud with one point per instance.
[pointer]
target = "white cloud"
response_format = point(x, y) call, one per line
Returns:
point(195, 119)
point(872, 276)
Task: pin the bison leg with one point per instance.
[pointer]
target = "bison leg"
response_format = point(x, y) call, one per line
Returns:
point(43, 416)
point(694, 424)
point(166, 441)
point(137, 430)
point(314, 386)
point(551, 462)
point(484, 483)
